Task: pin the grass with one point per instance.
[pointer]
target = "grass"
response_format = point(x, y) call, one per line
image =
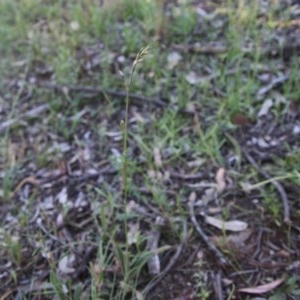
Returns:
point(93, 186)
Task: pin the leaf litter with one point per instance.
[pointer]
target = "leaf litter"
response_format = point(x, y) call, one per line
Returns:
point(64, 195)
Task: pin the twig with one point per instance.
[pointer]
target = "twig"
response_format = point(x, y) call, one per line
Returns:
point(287, 49)
point(170, 265)
point(203, 49)
point(258, 246)
point(32, 113)
point(204, 237)
point(276, 184)
point(218, 286)
point(243, 272)
point(273, 84)
point(187, 176)
point(92, 90)
point(208, 49)
point(152, 245)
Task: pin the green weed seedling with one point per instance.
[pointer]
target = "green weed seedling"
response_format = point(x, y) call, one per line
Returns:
point(273, 206)
point(14, 248)
point(289, 290)
point(201, 282)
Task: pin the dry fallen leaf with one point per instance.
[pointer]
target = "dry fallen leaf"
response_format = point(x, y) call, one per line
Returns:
point(265, 108)
point(196, 163)
point(115, 135)
point(152, 245)
point(274, 83)
point(60, 220)
point(74, 25)
point(220, 178)
point(157, 157)
point(232, 240)
point(233, 225)
point(239, 238)
point(240, 120)
point(30, 179)
point(66, 264)
point(130, 206)
point(138, 117)
point(192, 197)
point(133, 233)
point(209, 195)
point(62, 196)
point(261, 289)
point(173, 59)
point(154, 265)
point(139, 295)
point(151, 174)
point(247, 187)
point(192, 78)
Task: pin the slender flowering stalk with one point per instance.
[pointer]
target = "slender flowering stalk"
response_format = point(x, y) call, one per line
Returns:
point(124, 124)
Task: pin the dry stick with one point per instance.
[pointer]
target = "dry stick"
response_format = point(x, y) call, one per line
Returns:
point(93, 90)
point(186, 176)
point(205, 238)
point(218, 286)
point(152, 245)
point(273, 84)
point(215, 49)
point(276, 184)
point(258, 247)
point(32, 113)
point(202, 49)
point(171, 263)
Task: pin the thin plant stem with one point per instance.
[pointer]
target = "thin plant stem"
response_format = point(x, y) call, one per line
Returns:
point(139, 58)
point(125, 137)
point(124, 125)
